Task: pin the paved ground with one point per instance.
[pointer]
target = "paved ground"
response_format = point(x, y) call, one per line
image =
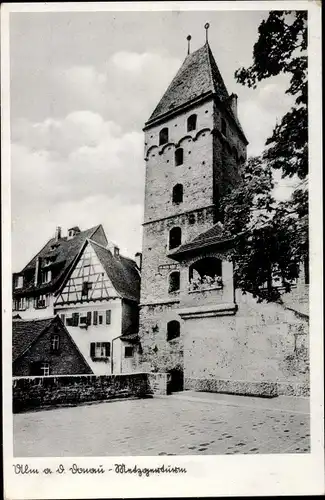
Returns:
point(186, 423)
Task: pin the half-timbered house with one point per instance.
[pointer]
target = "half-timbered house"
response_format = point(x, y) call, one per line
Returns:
point(94, 289)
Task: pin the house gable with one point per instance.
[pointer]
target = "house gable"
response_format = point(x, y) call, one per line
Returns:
point(88, 280)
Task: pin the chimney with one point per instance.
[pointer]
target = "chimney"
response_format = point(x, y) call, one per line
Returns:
point(233, 104)
point(138, 259)
point(58, 233)
point(37, 270)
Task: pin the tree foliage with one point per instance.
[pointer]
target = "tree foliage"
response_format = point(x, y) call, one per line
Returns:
point(281, 48)
point(272, 237)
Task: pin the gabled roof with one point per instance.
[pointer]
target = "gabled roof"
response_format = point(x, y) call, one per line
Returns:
point(198, 77)
point(25, 332)
point(213, 237)
point(122, 271)
point(63, 252)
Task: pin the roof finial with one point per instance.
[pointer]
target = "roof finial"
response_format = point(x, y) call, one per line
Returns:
point(206, 26)
point(188, 38)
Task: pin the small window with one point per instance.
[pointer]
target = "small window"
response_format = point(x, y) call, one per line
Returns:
point(175, 237)
point(129, 352)
point(178, 193)
point(45, 369)
point(179, 156)
point(75, 319)
point(100, 350)
point(163, 136)
point(86, 286)
point(191, 219)
point(100, 319)
point(174, 282)
point(223, 126)
point(108, 317)
point(55, 343)
point(191, 123)
point(20, 304)
point(19, 282)
point(173, 330)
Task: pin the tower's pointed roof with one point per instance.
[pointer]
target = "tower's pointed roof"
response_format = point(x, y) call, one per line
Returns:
point(198, 77)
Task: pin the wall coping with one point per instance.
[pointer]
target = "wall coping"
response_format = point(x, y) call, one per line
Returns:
point(208, 310)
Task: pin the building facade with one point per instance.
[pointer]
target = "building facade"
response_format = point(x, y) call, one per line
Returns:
point(43, 347)
point(193, 323)
point(83, 278)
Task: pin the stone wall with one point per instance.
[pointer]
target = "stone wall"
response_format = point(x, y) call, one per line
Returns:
point(30, 393)
point(158, 354)
point(262, 350)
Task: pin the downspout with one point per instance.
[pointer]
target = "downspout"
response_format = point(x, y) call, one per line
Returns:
point(112, 353)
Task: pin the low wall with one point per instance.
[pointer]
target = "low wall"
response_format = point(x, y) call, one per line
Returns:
point(267, 389)
point(30, 393)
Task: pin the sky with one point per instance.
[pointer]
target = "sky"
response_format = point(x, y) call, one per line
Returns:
point(82, 85)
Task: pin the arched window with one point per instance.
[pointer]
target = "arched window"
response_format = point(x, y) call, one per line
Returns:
point(223, 126)
point(205, 274)
point(191, 123)
point(163, 136)
point(179, 156)
point(174, 282)
point(175, 237)
point(173, 330)
point(178, 193)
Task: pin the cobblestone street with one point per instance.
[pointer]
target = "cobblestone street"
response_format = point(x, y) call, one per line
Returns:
point(186, 423)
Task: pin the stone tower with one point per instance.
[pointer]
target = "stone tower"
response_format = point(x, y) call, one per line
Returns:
point(193, 147)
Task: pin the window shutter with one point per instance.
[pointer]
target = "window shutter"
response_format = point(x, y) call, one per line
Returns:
point(75, 319)
point(92, 349)
point(62, 316)
point(108, 317)
point(89, 318)
point(95, 318)
point(108, 348)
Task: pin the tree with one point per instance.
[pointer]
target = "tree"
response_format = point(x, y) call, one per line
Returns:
point(271, 237)
point(282, 48)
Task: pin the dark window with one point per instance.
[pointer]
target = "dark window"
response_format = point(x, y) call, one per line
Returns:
point(175, 237)
point(191, 123)
point(86, 286)
point(75, 319)
point(173, 330)
point(95, 317)
point(55, 343)
point(108, 317)
point(163, 136)
point(191, 219)
point(179, 156)
point(128, 352)
point(223, 126)
point(178, 193)
point(174, 282)
point(89, 318)
point(100, 319)
point(100, 350)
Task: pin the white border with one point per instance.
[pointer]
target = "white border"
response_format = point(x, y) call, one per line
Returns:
point(207, 475)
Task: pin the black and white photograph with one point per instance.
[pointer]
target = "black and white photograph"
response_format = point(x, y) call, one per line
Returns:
point(164, 241)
